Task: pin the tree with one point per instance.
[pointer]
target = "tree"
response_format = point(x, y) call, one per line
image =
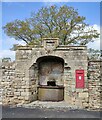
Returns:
point(94, 54)
point(62, 22)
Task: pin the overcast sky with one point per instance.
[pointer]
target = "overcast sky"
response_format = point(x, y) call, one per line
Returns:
point(21, 10)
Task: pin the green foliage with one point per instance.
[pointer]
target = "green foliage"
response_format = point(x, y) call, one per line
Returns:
point(6, 59)
point(94, 54)
point(62, 22)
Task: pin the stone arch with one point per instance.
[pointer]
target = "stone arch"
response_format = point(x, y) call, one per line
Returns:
point(34, 59)
point(49, 56)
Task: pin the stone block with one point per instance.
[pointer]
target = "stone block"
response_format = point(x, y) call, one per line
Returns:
point(17, 93)
point(83, 95)
point(85, 104)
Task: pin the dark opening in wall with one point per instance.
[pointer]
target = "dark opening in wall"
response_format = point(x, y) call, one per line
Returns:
point(51, 83)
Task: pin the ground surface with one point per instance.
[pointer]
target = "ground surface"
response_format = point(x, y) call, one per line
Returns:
point(47, 110)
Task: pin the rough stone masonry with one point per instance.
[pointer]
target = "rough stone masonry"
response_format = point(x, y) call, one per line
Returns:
point(49, 71)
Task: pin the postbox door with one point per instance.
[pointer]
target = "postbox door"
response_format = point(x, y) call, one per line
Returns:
point(79, 78)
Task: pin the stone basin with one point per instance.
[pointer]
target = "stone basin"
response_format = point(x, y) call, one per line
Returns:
point(50, 93)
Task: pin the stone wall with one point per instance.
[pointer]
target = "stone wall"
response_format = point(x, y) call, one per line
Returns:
point(73, 95)
point(7, 82)
point(74, 58)
point(89, 97)
point(95, 84)
point(25, 77)
point(20, 81)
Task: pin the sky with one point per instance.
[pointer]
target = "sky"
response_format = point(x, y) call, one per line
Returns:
point(22, 10)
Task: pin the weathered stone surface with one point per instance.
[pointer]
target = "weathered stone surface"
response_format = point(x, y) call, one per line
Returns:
point(95, 84)
point(83, 95)
point(20, 79)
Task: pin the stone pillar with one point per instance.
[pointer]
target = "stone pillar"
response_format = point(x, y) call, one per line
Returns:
point(22, 83)
point(95, 90)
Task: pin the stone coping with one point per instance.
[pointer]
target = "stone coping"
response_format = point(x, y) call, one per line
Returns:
point(29, 47)
point(95, 61)
point(50, 39)
point(51, 87)
point(72, 46)
point(64, 47)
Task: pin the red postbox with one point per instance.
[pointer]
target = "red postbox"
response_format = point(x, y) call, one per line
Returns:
point(79, 78)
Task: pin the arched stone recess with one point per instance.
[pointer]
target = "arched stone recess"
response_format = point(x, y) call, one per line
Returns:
point(31, 72)
point(50, 68)
point(33, 60)
point(31, 67)
point(50, 78)
point(46, 71)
